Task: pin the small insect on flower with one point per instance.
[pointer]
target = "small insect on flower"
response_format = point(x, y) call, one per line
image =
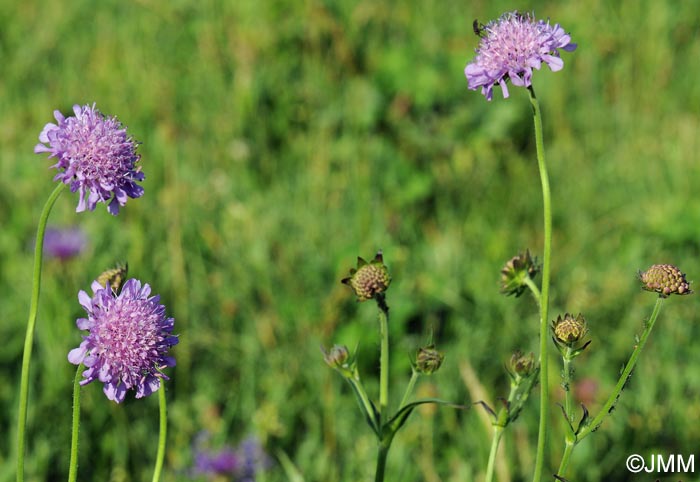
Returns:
point(114, 277)
point(478, 27)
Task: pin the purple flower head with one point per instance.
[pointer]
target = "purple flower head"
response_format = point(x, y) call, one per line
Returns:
point(511, 47)
point(128, 340)
point(242, 462)
point(64, 243)
point(95, 156)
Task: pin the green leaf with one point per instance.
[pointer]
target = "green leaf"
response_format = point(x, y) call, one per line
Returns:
point(397, 421)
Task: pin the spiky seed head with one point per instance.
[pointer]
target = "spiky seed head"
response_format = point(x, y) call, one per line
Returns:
point(569, 330)
point(665, 279)
point(368, 279)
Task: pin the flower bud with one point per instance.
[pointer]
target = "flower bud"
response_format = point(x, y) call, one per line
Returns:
point(516, 271)
point(428, 359)
point(665, 279)
point(522, 365)
point(369, 279)
point(569, 330)
point(337, 356)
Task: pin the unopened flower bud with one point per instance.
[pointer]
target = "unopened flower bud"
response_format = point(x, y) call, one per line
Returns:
point(522, 365)
point(516, 271)
point(428, 359)
point(369, 279)
point(569, 330)
point(337, 356)
point(665, 279)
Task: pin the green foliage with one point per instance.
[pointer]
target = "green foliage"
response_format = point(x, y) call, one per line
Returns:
point(282, 139)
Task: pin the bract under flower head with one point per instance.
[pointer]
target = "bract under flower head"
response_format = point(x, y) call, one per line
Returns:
point(95, 157)
point(128, 340)
point(511, 47)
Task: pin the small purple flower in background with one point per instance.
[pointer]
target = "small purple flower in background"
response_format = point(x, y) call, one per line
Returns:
point(242, 463)
point(129, 339)
point(64, 243)
point(511, 47)
point(95, 157)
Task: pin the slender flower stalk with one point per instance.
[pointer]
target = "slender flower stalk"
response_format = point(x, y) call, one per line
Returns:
point(495, 442)
point(544, 295)
point(383, 356)
point(75, 427)
point(162, 435)
point(31, 324)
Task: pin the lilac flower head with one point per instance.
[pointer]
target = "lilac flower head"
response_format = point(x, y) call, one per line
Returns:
point(511, 47)
point(242, 462)
point(95, 156)
point(64, 243)
point(128, 340)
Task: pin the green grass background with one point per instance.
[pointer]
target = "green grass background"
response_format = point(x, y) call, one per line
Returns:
point(280, 140)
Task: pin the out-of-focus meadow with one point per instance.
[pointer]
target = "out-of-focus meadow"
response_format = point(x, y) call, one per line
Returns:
point(282, 139)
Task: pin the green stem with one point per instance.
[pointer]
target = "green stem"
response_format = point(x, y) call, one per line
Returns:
point(497, 433)
point(610, 403)
point(534, 289)
point(31, 323)
point(160, 456)
point(382, 454)
point(73, 466)
point(363, 399)
point(567, 374)
point(626, 373)
point(411, 383)
point(544, 299)
point(568, 450)
point(384, 356)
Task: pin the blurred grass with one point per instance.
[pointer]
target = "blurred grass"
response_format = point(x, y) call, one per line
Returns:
point(283, 139)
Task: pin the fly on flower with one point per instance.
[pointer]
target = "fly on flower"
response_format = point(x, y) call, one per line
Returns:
point(114, 277)
point(478, 27)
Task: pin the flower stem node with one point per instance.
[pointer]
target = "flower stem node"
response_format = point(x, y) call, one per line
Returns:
point(368, 279)
point(665, 279)
point(428, 359)
point(516, 271)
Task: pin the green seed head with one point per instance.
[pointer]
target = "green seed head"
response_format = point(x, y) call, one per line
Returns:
point(369, 279)
point(569, 330)
point(516, 271)
point(665, 279)
point(428, 359)
point(522, 365)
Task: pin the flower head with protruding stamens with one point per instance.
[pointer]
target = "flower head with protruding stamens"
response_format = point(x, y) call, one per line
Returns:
point(128, 340)
point(95, 157)
point(511, 47)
